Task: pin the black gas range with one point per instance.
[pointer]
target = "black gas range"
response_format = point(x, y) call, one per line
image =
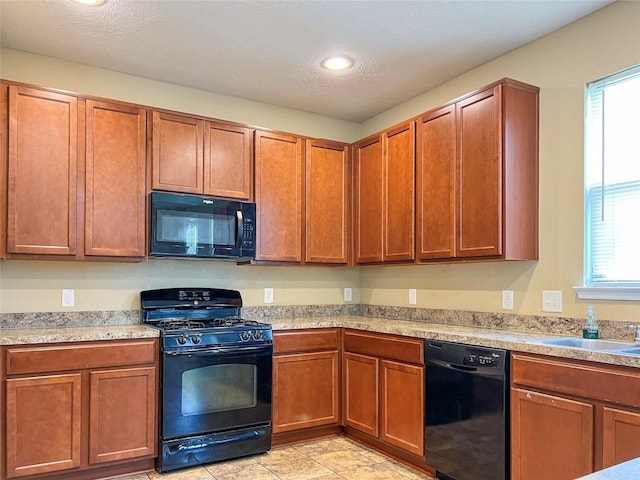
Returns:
point(215, 401)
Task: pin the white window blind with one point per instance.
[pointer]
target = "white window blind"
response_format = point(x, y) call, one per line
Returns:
point(612, 181)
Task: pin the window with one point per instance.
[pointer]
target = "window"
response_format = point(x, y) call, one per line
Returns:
point(612, 184)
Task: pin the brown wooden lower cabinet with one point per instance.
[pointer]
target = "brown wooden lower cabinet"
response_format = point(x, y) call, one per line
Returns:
point(401, 406)
point(383, 394)
point(361, 393)
point(571, 418)
point(43, 424)
point(552, 437)
point(307, 391)
point(130, 396)
point(620, 436)
point(306, 383)
point(371, 384)
point(101, 413)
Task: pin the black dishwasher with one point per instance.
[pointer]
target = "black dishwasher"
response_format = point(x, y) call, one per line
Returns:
point(466, 435)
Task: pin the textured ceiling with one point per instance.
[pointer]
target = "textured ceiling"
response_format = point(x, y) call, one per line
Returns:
point(270, 51)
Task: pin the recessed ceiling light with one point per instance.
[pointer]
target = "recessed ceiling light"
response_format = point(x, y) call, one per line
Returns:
point(90, 3)
point(337, 63)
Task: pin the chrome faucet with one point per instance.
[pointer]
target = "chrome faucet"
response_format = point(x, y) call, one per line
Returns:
point(637, 327)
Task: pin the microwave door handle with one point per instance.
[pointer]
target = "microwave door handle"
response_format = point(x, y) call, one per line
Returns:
point(239, 228)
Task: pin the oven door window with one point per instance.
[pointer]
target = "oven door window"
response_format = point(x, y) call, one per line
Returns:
point(218, 388)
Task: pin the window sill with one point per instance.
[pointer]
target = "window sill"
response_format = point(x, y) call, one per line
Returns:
point(608, 293)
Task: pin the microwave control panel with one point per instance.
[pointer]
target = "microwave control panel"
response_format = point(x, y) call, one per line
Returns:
point(248, 233)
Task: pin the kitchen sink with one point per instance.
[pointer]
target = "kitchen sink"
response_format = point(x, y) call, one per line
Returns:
point(594, 344)
point(631, 351)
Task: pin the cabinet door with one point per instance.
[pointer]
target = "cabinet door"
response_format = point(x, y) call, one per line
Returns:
point(305, 391)
point(122, 418)
point(402, 405)
point(399, 194)
point(551, 437)
point(42, 173)
point(436, 166)
point(4, 92)
point(327, 187)
point(480, 176)
point(621, 436)
point(115, 180)
point(227, 160)
point(279, 186)
point(43, 424)
point(361, 393)
point(177, 159)
point(368, 206)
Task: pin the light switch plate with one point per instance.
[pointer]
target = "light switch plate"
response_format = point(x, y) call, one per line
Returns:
point(507, 299)
point(412, 296)
point(552, 301)
point(347, 294)
point(268, 295)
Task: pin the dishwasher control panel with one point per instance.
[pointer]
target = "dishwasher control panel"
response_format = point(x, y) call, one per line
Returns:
point(482, 359)
point(466, 356)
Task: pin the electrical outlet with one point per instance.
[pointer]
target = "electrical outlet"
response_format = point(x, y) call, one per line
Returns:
point(347, 294)
point(412, 296)
point(507, 299)
point(268, 295)
point(552, 301)
point(68, 299)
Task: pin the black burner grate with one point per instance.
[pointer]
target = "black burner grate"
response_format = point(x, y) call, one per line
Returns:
point(181, 324)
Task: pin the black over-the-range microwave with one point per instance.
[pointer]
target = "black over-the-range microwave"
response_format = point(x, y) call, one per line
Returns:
point(196, 226)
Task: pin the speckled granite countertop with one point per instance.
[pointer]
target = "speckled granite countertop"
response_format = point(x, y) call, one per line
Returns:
point(623, 471)
point(488, 337)
point(522, 341)
point(75, 334)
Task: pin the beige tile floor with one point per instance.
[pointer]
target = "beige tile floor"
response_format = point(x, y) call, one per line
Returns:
point(336, 458)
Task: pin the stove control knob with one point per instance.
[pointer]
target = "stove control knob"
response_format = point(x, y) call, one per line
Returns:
point(182, 339)
point(257, 335)
point(245, 336)
point(196, 339)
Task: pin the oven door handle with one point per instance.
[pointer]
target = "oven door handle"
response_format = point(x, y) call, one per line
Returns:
point(209, 351)
point(216, 441)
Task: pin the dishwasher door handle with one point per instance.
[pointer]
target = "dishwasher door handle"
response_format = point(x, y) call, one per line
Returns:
point(464, 368)
point(455, 366)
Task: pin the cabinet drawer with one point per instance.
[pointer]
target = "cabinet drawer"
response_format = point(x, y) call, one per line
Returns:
point(288, 341)
point(610, 384)
point(386, 346)
point(53, 358)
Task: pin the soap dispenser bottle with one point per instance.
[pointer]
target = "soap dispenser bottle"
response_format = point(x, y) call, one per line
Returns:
point(590, 330)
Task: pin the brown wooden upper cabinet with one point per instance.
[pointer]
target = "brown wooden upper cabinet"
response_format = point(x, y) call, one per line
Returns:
point(477, 169)
point(327, 202)
point(279, 184)
point(114, 202)
point(385, 196)
point(4, 91)
point(76, 173)
point(43, 171)
point(191, 155)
